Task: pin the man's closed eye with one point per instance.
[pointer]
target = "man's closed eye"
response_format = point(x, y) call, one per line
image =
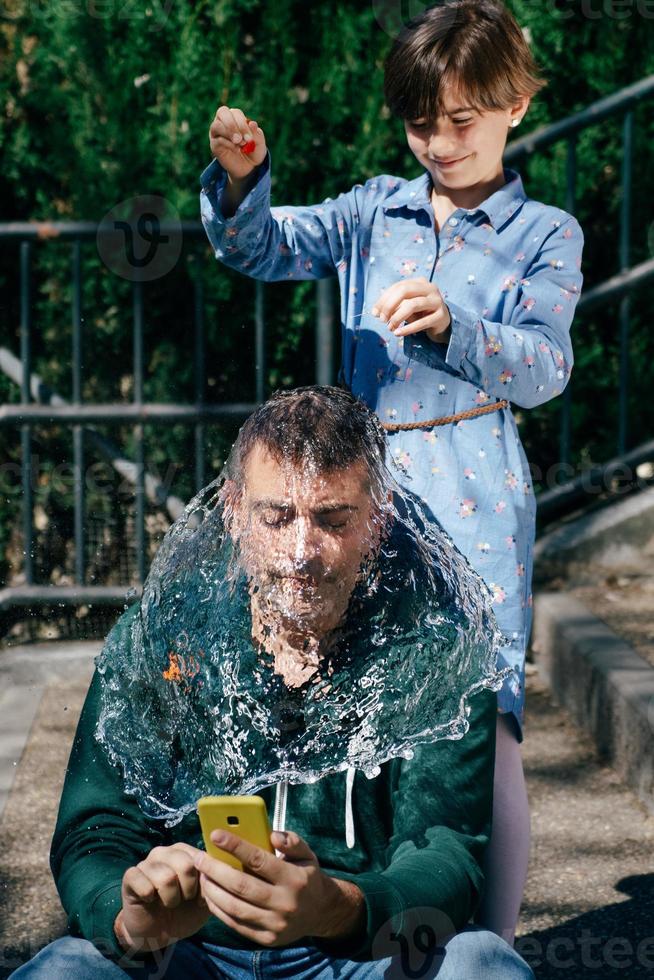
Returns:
point(332, 523)
point(275, 518)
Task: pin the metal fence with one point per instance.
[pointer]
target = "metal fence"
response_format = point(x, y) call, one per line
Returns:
point(40, 405)
point(626, 279)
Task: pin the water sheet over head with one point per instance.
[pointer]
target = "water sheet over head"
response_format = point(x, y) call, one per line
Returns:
point(297, 621)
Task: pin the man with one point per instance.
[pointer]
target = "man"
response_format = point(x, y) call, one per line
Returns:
point(304, 503)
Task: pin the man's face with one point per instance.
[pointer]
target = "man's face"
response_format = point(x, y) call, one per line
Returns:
point(303, 536)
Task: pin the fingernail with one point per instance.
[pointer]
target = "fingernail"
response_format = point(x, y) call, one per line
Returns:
point(383, 317)
point(375, 311)
point(218, 837)
point(236, 137)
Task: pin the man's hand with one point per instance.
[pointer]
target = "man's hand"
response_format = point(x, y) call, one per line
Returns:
point(275, 901)
point(162, 901)
point(420, 303)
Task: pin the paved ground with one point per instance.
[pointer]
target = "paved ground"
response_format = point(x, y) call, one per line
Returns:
point(589, 905)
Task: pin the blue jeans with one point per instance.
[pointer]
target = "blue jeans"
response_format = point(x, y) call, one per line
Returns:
point(473, 954)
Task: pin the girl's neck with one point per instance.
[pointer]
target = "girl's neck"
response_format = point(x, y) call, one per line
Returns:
point(445, 200)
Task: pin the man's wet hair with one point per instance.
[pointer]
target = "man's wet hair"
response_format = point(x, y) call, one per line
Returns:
point(322, 426)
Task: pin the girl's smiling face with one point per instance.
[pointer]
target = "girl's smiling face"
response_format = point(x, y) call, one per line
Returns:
point(464, 146)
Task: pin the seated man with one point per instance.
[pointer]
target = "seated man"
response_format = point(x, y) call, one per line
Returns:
point(394, 899)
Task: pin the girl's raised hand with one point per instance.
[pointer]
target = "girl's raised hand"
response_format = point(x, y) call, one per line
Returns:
point(237, 142)
point(418, 302)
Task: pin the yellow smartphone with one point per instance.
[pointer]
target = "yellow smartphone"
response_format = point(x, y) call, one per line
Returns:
point(245, 816)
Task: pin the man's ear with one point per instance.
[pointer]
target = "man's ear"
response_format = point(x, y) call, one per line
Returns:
point(381, 519)
point(387, 516)
point(231, 500)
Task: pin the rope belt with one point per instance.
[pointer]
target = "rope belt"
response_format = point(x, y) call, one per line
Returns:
point(470, 413)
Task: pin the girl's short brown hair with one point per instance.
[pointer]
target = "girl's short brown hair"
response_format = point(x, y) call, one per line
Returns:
point(475, 45)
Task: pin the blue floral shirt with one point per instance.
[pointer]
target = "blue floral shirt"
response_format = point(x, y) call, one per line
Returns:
point(510, 273)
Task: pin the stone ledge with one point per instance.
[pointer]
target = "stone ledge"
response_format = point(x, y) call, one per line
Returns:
point(605, 685)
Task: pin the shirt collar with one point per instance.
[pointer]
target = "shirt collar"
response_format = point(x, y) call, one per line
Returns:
point(498, 207)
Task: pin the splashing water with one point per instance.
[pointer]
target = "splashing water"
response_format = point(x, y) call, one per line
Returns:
point(266, 647)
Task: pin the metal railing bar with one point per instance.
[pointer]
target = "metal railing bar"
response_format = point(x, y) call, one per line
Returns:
point(324, 333)
point(137, 327)
point(623, 374)
point(155, 490)
point(78, 432)
point(89, 230)
point(616, 286)
point(120, 413)
point(625, 305)
point(199, 369)
point(625, 204)
point(139, 453)
point(67, 595)
point(594, 113)
point(551, 502)
point(25, 317)
point(77, 322)
point(25, 432)
point(27, 500)
point(259, 343)
point(79, 496)
point(565, 438)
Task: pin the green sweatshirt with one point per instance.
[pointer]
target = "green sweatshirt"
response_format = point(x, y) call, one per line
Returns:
point(420, 829)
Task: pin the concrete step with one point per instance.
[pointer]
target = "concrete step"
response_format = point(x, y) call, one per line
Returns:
point(607, 687)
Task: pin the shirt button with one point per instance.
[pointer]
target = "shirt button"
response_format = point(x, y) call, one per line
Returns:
point(454, 221)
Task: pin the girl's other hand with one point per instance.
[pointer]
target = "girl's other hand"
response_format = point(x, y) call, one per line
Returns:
point(418, 302)
point(231, 134)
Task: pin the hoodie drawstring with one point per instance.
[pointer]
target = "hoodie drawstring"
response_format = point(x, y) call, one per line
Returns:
point(279, 812)
point(349, 816)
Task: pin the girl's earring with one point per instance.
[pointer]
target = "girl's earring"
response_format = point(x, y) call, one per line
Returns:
point(514, 123)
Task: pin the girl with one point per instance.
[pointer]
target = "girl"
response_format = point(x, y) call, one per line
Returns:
point(457, 296)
